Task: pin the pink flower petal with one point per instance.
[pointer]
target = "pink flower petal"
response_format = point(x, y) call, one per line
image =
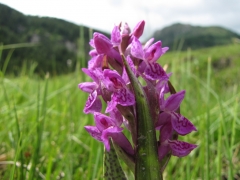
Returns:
point(91, 73)
point(107, 133)
point(153, 53)
point(113, 80)
point(124, 97)
point(111, 105)
point(93, 104)
point(154, 71)
point(88, 86)
point(132, 66)
point(163, 119)
point(116, 117)
point(166, 131)
point(173, 102)
point(118, 137)
point(180, 148)
point(138, 29)
point(136, 49)
point(102, 43)
point(163, 150)
point(102, 121)
point(126, 30)
point(116, 36)
point(181, 124)
point(148, 43)
point(91, 43)
point(94, 132)
point(93, 53)
point(95, 62)
point(164, 49)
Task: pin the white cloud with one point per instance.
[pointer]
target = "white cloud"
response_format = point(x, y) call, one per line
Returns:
point(103, 14)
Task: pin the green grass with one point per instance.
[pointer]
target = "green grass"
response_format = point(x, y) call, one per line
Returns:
point(42, 132)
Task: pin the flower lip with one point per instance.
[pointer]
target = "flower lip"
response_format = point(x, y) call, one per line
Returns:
point(93, 103)
point(88, 86)
point(113, 80)
point(153, 53)
point(180, 148)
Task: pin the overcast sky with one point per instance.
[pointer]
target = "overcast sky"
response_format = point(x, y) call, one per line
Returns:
point(103, 14)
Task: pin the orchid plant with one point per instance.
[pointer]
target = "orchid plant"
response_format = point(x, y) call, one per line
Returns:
point(127, 77)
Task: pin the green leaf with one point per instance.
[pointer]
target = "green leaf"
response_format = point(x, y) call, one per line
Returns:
point(129, 160)
point(112, 167)
point(147, 165)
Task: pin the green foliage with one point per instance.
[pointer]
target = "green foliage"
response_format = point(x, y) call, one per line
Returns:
point(56, 42)
point(66, 151)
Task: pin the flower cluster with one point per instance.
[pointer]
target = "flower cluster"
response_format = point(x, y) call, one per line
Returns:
point(111, 84)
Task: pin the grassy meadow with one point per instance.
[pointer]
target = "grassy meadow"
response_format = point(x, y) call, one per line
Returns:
point(42, 132)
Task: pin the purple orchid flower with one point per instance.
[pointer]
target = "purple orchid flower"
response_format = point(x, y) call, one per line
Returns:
point(149, 55)
point(93, 103)
point(104, 46)
point(115, 84)
point(170, 121)
point(127, 36)
point(107, 127)
point(121, 94)
point(177, 148)
point(178, 122)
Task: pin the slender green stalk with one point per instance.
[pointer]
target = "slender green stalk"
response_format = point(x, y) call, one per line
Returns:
point(12, 174)
point(40, 127)
point(227, 144)
point(7, 61)
point(19, 45)
point(219, 152)
point(49, 166)
point(147, 165)
point(235, 113)
point(207, 124)
point(19, 144)
point(97, 162)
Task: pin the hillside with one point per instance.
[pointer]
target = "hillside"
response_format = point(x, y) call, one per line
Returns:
point(56, 41)
point(194, 37)
point(58, 44)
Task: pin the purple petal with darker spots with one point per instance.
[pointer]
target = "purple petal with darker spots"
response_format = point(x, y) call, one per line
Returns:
point(93, 103)
point(181, 124)
point(102, 121)
point(94, 132)
point(137, 50)
point(124, 97)
point(180, 148)
point(154, 71)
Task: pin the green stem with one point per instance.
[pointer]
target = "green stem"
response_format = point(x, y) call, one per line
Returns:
point(147, 164)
